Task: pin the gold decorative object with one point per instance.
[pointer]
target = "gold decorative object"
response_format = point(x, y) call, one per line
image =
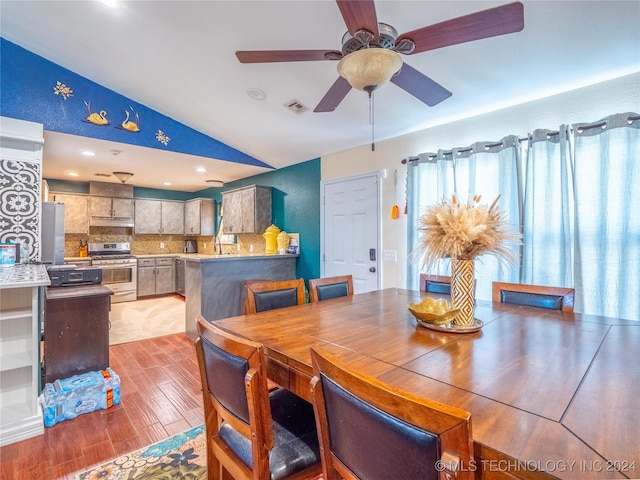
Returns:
point(163, 138)
point(462, 290)
point(62, 90)
point(461, 232)
point(96, 118)
point(130, 125)
point(271, 235)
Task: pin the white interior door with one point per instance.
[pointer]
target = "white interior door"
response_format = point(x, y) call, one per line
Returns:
point(351, 231)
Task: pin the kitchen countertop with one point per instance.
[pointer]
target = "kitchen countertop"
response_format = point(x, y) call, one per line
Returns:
point(23, 275)
point(198, 257)
point(202, 258)
point(75, 292)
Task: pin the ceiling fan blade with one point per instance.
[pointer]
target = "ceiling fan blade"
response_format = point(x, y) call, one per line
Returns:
point(334, 96)
point(265, 56)
point(484, 24)
point(359, 15)
point(420, 86)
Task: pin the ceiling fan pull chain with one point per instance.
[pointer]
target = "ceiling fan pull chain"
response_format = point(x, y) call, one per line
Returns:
point(371, 119)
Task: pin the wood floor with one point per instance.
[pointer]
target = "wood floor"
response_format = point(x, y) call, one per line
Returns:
point(160, 396)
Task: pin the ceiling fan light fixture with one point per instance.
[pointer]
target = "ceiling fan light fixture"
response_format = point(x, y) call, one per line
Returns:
point(369, 68)
point(123, 176)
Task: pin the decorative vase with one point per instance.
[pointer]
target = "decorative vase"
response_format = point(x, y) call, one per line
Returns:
point(463, 291)
point(271, 235)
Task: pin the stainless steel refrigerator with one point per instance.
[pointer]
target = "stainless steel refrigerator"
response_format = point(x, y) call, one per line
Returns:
point(52, 233)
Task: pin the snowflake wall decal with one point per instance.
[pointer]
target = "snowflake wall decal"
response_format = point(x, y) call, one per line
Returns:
point(62, 89)
point(162, 138)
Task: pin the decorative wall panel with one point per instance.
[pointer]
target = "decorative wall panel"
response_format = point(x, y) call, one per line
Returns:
point(20, 203)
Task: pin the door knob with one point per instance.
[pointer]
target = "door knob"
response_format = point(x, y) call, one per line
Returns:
point(372, 269)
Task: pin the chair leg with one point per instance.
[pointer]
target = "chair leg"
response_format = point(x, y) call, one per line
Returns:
point(214, 467)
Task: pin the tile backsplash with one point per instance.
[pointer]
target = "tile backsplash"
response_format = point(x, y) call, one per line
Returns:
point(151, 244)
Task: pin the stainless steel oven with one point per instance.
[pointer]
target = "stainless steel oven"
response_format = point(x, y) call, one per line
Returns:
point(119, 269)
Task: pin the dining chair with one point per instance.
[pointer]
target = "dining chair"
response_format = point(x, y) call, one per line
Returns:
point(251, 434)
point(330, 287)
point(435, 283)
point(373, 430)
point(245, 302)
point(555, 298)
point(269, 295)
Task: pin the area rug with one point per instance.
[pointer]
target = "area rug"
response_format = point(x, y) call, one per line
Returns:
point(183, 456)
point(146, 318)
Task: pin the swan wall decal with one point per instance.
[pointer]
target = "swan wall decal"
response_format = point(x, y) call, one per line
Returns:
point(96, 118)
point(129, 125)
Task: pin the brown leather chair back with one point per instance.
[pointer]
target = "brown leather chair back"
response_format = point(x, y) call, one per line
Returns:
point(555, 298)
point(330, 287)
point(435, 283)
point(269, 295)
point(370, 429)
point(251, 433)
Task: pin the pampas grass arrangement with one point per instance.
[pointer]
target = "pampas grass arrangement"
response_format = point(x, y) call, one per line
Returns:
point(451, 229)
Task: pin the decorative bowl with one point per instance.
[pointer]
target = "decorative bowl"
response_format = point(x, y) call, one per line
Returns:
point(433, 318)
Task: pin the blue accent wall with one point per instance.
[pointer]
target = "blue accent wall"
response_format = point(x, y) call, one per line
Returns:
point(28, 93)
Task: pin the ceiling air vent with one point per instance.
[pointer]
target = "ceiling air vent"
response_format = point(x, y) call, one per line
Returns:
point(296, 107)
point(102, 174)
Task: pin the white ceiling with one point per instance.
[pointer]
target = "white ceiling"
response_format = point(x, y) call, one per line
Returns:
point(178, 58)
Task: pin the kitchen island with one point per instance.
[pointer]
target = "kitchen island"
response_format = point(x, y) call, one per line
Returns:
point(214, 284)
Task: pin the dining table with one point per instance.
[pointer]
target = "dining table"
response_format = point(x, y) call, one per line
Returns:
point(551, 394)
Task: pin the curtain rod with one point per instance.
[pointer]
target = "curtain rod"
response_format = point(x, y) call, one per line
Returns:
point(490, 145)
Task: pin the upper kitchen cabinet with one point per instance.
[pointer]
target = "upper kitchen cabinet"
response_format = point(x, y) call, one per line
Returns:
point(247, 209)
point(198, 217)
point(110, 205)
point(107, 211)
point(163, 217)
point(76, 212)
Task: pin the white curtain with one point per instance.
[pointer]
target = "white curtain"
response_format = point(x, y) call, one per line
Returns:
point(484, 168)
point(547, 257)
point(607, 218)
point(578, 209)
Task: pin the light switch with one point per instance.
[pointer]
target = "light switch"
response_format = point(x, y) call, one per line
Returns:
point(390, 255)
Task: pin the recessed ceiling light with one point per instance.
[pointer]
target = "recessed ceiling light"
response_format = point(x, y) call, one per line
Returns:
point(215, 183)
point(167, 183)
point(88, 153)
point(74, 174)
point(256, 93)
point(201, 169)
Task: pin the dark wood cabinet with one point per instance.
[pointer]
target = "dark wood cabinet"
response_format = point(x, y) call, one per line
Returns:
point(76, 331)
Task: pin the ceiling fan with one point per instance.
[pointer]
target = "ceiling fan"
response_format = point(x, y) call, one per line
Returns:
point(370, 50)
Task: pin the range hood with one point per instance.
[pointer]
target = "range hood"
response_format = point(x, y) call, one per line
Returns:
point(111, 222)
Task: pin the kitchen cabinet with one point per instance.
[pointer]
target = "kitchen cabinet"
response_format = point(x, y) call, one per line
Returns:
point(156, 276)
point(247, 209)
point(110, 211)
point(74, 342)
point(76, 212)
point(164, 217)
point(20, 292)
point(180, 266)
point(198, 217)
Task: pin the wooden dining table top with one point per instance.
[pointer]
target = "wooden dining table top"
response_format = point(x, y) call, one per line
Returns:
point(551, 394)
